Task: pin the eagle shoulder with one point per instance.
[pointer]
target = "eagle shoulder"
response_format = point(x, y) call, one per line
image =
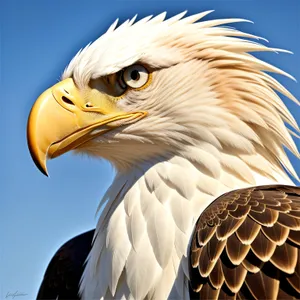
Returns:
point(63, 274)
point(246, 245)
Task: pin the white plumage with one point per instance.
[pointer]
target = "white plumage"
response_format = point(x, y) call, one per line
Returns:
point(215, 123)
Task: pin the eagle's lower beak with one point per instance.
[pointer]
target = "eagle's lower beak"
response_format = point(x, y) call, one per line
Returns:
point(64, 117)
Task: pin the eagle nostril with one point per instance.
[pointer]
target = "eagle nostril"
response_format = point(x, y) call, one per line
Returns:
point(67, 100)
point(88, 104)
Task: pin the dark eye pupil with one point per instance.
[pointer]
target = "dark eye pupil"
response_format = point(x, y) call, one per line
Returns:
point(135, 75)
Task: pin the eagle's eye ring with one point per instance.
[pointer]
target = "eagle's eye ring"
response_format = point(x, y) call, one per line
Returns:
point(136, 76)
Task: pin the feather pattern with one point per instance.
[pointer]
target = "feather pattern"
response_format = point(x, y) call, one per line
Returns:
point(266, 271)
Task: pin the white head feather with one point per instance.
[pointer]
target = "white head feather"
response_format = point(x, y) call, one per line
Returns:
point(206, 88)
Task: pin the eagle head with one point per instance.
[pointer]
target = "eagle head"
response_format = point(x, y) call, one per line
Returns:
point(149, 90)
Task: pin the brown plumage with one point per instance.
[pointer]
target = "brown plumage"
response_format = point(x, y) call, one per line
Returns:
point(246, 245)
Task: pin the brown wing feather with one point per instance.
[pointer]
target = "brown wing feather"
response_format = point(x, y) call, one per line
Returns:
point(294, 280)
point(236, 251)
point(277, 233)
point(248, 231)
point(252, 263)
point(262, 286)
point(234, 277)
point(262, 247)
point(285, 258)
point(216, 276)
point(246, 245)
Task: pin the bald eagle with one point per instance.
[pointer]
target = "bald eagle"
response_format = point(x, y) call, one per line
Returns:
point(202, 204)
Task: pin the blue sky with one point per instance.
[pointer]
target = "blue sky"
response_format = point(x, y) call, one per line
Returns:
point(38, 38)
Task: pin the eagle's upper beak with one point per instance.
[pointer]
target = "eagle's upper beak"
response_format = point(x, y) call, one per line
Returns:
point(64, 117)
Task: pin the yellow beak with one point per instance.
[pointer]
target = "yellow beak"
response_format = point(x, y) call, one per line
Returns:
point(64, 117)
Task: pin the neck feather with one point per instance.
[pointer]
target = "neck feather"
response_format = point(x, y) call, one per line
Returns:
point(149, 217)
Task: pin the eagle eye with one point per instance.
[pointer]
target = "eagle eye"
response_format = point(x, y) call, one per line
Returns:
point(135, 76)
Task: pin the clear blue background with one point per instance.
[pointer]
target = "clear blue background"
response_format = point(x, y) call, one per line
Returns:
point(38, 38)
